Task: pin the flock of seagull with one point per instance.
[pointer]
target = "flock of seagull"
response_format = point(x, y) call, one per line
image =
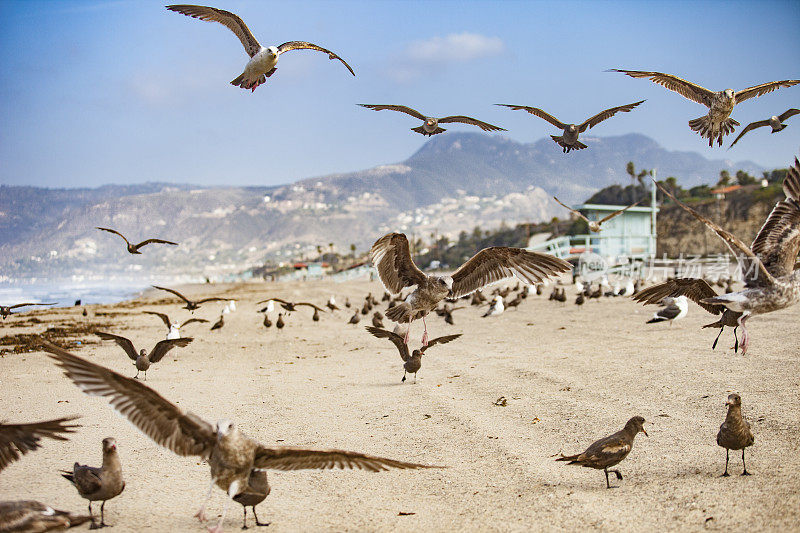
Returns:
point(238, 463)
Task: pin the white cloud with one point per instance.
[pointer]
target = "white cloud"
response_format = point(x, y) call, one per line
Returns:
point(456, 47)
point(428, 56)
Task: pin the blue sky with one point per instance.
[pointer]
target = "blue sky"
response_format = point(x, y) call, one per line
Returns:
point(122, 92)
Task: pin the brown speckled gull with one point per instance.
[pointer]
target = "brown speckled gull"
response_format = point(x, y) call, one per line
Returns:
point(30, 516)
point(734, 433)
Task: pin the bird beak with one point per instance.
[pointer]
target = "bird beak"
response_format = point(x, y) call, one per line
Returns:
point(645, 433)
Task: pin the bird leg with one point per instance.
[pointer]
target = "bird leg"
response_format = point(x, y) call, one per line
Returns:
point(201, 513)
point(714, 346)
point(736, 343)
point(424, 336)
point(404, 377)
point(745, 336)
point(94, 524)
point(727, 456)
point(744, 467)
point(618, 473)
point(608, 485)
point(244, 523)
point(233, 489)
point(257, 521)
point(405, 340)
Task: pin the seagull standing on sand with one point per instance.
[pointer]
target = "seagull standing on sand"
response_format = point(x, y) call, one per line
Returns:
point(771, 281)
point(569, 139)
point(134, 248)
point(256, 492)
point(231, 455)
point(430, 125)
point(775, 122)
point(734, 433)
point(263, 60)
point(696, 290)
point(717, 124)
point(675, 310)
point(99, 484)
point(595, 225)
point(609, 451)
point(496, 307)
point(391, 256)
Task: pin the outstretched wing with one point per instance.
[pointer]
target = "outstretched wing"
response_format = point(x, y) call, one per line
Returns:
point(751, 126)
point(618, 212)
point(485, 126)
point(778, 240)
point(497, 263)
point(574, 211)
point(302, 45)
point(687, 89)
point(298, 304)
point(396, 339)
point(403, 109)
point(193, 320)
point(290, 458)
point(696, 290)
point(274, 300)
point(115, 232)
point(25, 305)
point(439, 340)
point(164, 318)
point(18, 439)
point(764, 88)
point(539, 113)
point(122, 342)
point(788, 113)
point(162, 347)
point(391, 256)
point(155, 241)
point(743, 253)
point(173, 291)
point(226, 18)
point(608, 113)
point(212, 299)
point(165, 423)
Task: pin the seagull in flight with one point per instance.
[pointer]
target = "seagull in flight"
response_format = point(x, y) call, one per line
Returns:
point(775, 122)
point(717, 124)
point(595, 225)
point(134, 248)
point(430, 125)
point(263, 60)
point(569, 139)
point(191, 305)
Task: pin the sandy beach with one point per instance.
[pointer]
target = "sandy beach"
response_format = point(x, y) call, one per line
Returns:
point(570, 375)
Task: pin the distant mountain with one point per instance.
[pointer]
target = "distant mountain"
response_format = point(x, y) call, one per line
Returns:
point(455, 181)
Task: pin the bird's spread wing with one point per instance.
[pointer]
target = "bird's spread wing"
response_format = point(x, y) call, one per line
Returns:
point(439, 340)
point(788, 113)
point(298, 304)
point(290, 458)
point(743, 253)
point(485, 126)
point(164, 318)
point(194, 320)
point(778, 240)
point(173, 291)
point(396, 339)
point(25, 305)
point(494, 264)
point(115, 232)
point(403, 109)
point(574, 211)
point(695, 289)
point(619, 212)
point(391, 256)
point(608, 113)
point(123, 343)
point(751, 126)
point(19, 439)
point(155, 241)
point(226, 18)
point(687, 89)
point(162, 421)
point(212, 299)
point(272, 300)
point(764, 88)
point(302, 45)
point(539, 113)
point(162, 347)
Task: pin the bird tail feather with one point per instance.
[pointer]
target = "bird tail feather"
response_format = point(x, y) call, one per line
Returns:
point(706, 129)
point(563, 457)
point(399, 313)
point(655, 319)
point(420, 129)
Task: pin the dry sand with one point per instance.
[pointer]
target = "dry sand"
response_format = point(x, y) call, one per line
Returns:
point(570, 375)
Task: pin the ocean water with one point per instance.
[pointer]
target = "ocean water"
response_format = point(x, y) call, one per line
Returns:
point(65, 293)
